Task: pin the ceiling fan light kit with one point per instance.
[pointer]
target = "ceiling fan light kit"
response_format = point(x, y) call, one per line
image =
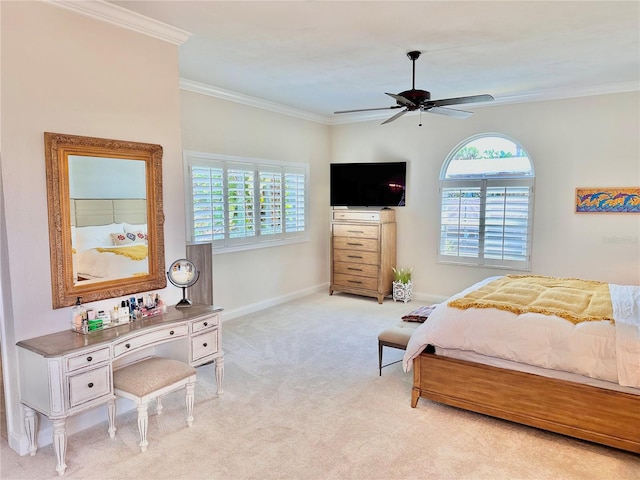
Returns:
point(415, 99)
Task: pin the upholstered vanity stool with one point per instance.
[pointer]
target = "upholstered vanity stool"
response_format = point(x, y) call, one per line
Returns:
point(148, 379)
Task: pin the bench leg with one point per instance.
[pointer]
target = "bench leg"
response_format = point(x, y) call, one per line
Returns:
point(159, 406)
point(380, 357)
point(143, 421)
point(189, 401)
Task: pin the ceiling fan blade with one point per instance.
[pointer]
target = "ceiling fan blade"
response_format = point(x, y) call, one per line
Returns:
point(402, 100)
point(368, 109)
point(396, 116)
point(460, 100)
point(450, 112)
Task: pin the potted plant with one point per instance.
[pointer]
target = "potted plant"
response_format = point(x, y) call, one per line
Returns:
point(402, 286)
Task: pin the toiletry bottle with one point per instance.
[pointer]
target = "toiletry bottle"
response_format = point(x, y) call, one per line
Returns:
point(76, 316)
point(85, 321)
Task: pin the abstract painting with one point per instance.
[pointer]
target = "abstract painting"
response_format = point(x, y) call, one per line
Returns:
point(608, 200)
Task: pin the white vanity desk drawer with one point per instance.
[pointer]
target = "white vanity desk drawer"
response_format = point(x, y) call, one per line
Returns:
point(87, 359)
point(89, 385)
point(204, 345)
point(204, 324)
point(135, 342)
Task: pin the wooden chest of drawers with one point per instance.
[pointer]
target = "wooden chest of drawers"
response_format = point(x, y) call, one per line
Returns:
point(363, 252)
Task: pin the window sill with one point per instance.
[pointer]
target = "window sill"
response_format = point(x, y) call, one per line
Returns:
point(219, 250)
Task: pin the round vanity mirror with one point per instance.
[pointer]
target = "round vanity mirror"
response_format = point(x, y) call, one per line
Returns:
point(183, 273)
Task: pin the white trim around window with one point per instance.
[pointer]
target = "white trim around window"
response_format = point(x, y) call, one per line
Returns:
point(240, 203)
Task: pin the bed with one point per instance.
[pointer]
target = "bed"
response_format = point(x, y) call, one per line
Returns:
point(574, 376)
point(109, 239)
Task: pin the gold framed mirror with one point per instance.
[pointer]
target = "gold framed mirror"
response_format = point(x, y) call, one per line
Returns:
point(106, 222)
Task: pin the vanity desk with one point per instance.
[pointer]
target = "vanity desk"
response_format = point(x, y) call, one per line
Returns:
point(65, 373)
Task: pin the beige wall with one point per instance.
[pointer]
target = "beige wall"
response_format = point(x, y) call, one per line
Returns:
point(582, 142)
point(250, 280)
point(63, 72)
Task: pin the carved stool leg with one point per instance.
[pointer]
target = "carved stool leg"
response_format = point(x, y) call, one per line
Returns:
point(31, 428)
point(189, 400)
point(143, 421)
point(111, 413)
point(219, 374)
point(60, 444)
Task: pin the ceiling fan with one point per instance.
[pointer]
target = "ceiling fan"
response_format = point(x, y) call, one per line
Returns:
point(414, 99)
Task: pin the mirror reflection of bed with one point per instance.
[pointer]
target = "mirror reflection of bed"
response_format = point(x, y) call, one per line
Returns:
point(109, 239)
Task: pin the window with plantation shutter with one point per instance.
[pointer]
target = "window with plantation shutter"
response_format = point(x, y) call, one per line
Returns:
point(486, 187)
point(239, 203)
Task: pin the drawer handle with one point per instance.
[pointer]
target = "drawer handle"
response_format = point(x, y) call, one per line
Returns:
point(127, 345)
point(204, 344)
point(354, 281)
point(89, 359)
point(206, 324)
point(355, 231)
point(90, 385)
point(354, 244)
point(355, 269)
point(354, 256)
point(171, 332)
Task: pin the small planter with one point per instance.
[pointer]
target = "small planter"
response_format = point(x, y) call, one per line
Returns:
point(403, 291)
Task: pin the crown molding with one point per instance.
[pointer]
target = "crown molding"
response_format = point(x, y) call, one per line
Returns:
point(116, 15)
point(217, 92)
point(566, 93)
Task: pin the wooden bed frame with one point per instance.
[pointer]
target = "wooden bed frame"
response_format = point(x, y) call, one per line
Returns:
point(589, 413)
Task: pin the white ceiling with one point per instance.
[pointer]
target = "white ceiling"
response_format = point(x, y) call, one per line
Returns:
point(322, 56)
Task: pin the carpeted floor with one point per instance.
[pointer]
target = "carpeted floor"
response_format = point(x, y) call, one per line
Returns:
point(303, 400)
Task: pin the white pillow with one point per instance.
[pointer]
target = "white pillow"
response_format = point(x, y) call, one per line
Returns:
point(128, 238)
point(96, 236)
point(133, 228)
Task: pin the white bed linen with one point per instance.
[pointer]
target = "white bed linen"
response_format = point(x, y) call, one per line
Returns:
point(93, 264)
point(592, 349)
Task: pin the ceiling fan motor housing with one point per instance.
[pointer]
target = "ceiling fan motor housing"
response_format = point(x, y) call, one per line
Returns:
point(417, 97)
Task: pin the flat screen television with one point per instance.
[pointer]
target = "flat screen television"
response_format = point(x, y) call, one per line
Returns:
point(368, 184)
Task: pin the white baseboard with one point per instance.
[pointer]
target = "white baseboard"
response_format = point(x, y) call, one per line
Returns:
point(272, 302)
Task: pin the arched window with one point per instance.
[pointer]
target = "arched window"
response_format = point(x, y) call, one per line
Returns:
point(486, 191)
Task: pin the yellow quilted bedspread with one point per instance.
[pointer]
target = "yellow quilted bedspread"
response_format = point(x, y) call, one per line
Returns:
point(569, 298)
point(134, 252)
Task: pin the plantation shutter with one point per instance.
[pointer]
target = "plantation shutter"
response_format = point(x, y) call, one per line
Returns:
point(294, 200)
point(486, 222)
point(270, 201)
point(460, 222)
point(240, 199)
point(207, 186)
point(506, 224)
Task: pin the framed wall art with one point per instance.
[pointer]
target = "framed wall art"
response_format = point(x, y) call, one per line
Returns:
point(608, 200)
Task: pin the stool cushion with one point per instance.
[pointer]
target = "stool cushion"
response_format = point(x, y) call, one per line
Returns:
point(399, 334)
point(147, 376)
